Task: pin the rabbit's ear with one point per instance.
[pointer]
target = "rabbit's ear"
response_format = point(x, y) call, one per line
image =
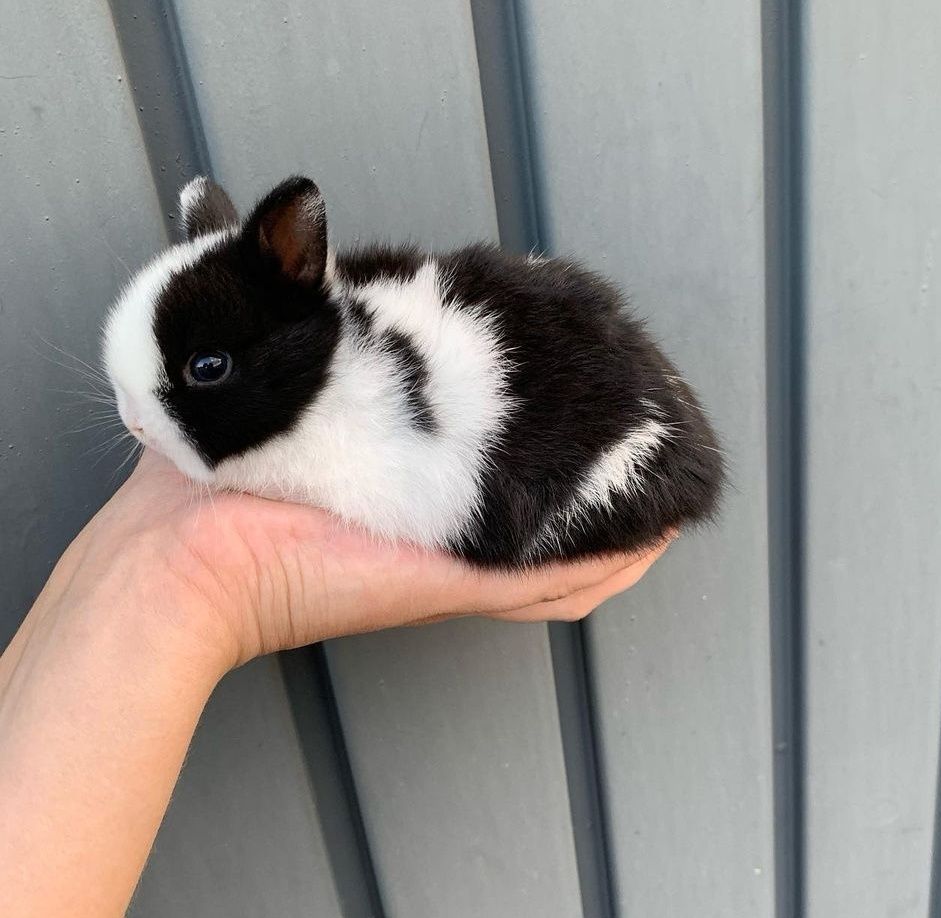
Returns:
point(205, 208)
point(288, 229)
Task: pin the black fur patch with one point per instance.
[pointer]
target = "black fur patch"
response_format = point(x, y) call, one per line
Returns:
point(362, 266)
point(280, 335)
point(415, 377)
point(396, 343)
point(582, 368)
point(358, 317)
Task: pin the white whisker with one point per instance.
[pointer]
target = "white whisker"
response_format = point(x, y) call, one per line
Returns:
point(79, 366)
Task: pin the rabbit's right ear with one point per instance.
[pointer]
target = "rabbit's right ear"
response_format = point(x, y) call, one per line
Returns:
point(205, 208)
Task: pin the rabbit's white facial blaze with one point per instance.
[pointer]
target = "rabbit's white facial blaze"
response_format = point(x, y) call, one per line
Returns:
point(134, 364)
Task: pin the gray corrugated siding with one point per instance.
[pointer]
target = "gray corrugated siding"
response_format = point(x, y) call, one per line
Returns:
point(753, 731)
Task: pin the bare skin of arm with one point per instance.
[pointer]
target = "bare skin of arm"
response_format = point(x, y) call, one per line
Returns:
point(155, 600)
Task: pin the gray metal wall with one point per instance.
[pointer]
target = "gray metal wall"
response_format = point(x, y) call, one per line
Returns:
point(753, 731)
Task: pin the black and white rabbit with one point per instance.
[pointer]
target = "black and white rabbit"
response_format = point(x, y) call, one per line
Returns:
point(505, 409)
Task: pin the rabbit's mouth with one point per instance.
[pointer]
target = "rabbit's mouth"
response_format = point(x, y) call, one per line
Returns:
point(148, 422)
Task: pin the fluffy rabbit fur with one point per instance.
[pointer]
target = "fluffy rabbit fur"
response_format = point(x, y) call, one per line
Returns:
point(505, 409)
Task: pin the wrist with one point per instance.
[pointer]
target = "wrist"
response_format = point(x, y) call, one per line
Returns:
point(140, 601)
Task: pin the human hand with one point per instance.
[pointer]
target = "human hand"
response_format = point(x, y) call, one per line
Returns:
point(245, 576)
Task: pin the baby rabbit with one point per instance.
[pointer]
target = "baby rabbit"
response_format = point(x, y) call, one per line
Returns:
point(508, 410)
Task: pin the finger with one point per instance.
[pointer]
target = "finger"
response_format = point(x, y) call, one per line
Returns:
point(580, 603)
point(433, 619)
point(491, 593)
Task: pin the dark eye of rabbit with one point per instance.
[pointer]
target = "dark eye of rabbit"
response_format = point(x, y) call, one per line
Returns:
point(207, 368)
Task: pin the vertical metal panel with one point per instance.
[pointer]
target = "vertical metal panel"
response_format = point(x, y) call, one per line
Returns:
point(784, 354)
point(379, 104)
point(463, 792)
point(506, 111)
point(241, 836)
point(454, 729)
point(313, 703)
point(78, 205)
point(160, 82)
point(650, 145)
point(873, 245)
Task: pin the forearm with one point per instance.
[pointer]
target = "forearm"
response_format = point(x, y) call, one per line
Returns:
point(98, 703)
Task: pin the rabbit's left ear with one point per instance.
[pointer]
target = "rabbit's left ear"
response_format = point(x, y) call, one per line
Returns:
point(205, 208)
point(288, 231)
